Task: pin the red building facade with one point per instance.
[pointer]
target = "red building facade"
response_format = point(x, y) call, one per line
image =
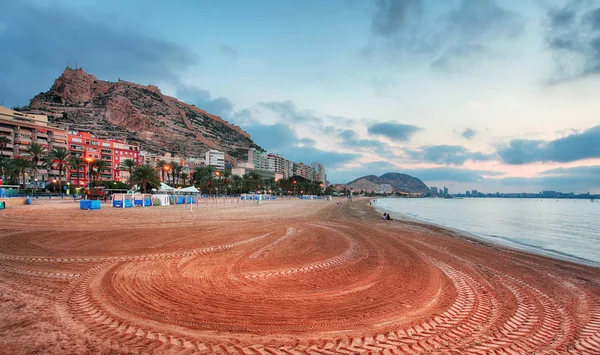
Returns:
point(112, 152)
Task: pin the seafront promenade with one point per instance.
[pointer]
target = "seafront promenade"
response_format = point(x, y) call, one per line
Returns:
point(283, 277)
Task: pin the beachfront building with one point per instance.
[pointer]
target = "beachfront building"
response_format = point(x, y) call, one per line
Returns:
point(215, 158)
point(319, 172)
point(22, 130)
point(111, 151)
point(260, 159)
point(152, 159)
point(277, 164)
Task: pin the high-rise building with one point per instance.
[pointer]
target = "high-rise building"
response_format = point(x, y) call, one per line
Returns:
point(319, 172)
point(445, 191)
point(215, 158)
point(474, 192)
point(24, 129)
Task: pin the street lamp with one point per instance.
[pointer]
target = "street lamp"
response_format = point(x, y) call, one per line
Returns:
point(166, 169)
point(35, 186)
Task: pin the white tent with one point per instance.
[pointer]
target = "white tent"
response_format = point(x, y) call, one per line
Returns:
point(188, 189)
point(165, 188)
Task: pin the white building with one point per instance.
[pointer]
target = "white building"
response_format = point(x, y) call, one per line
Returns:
point(215, 158)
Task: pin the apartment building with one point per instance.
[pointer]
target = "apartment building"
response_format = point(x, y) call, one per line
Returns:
point(319, 172)
point(22, 130)
point(215, 158)
point(112, 152)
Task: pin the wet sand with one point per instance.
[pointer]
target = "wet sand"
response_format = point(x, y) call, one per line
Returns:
point(285, 277)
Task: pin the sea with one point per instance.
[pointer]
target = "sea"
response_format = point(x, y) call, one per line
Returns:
point(567, 229)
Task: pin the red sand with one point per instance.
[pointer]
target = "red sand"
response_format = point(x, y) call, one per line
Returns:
point(286, 277)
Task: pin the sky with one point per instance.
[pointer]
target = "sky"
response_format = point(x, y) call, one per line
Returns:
point(493, 95)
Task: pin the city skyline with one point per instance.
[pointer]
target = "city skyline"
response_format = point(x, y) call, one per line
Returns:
point(468, 94)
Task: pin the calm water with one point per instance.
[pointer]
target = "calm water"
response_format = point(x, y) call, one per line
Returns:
point(566, 229)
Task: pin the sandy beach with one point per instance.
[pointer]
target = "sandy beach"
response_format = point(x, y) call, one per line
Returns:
point(284, 277)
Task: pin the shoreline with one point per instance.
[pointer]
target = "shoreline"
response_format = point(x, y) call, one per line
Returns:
point(299, 276)
point(508, 244)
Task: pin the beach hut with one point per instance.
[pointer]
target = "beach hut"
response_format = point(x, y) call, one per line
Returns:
point(192, 193)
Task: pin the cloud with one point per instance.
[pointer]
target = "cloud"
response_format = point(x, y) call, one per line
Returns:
point(573, 36)
point(571, 148)
point(351, 139)
point(330, 159)
point(447, 154)
point(307, 142)
point(230, 52)
point(451, 174)
point(42, 38)
point(393, 130)
point(393, 16)
point(220, 106)
point(468, 133)
point(579, 179)
point(290, 113)
point(275, 137)
point(457, 37)
point(282, 139)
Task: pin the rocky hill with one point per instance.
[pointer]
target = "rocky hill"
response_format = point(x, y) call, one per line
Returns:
point(139, 114)
point(400, 183)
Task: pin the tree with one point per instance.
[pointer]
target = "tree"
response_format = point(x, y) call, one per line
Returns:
point(99, 165)
point(128, 165)
point(59, 156)
point(76, 163)
point(47, 163)
point(177, 170)
point(183, 177)
point(203, 173)
point(21, 166)
point(4, 141)
point(145, 176)
point(236, 183)
point(174, 174)
point(36, 152)
point(161, 165)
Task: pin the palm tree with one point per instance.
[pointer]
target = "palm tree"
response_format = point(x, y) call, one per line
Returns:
point(161, 165)
point(128, 165)
point(76, 163)
point(183, 177)
point(145, 176)
point(36, 152)
point(236, 181)
point(174, 167)
point(59, 156)
point(21, 166)
point(3, 143)
point(47, 163)
point(99, 165)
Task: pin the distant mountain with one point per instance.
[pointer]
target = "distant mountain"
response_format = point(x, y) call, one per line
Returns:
point(140, 114)
point(400, 183)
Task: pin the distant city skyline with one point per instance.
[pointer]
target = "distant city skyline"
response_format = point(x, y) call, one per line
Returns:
point(470, 94)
